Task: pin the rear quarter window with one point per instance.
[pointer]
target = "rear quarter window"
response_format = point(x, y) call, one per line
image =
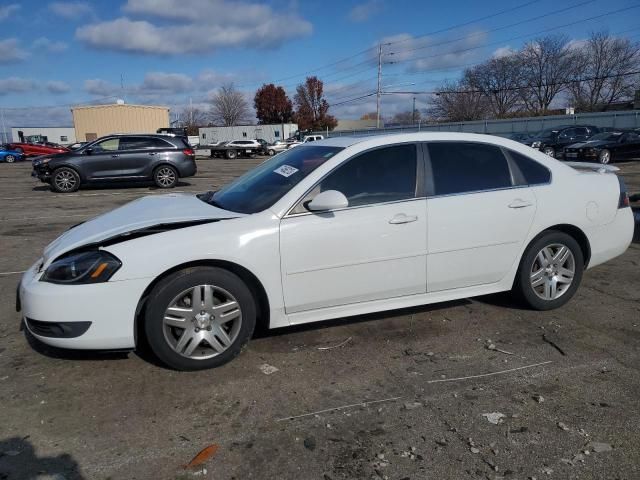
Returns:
point(532, 172)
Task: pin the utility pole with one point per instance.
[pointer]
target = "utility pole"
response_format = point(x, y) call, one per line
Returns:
point(413, 112)
point(4, 132)
point(378, 92)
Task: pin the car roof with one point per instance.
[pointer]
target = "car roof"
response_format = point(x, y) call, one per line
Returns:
point(376, 140)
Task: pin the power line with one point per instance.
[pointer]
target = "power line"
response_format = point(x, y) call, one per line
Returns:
point(613, 12)
point(497, 29)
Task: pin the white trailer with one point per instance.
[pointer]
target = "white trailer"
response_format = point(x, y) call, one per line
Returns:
point(270, 133)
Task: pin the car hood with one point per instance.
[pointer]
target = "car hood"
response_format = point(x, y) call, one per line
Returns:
point(590, 143)
point(134, 216)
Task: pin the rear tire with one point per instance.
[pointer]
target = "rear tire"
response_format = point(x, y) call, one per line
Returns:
point(65, 180)
point(549, 151)
point(550, 271)
point(165, 176)
point(230, 154)
point(271, 152)
point(173, 303)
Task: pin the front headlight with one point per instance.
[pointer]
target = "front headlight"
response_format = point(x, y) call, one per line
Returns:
point(79, 268)
point(41, 161)
point(536, 144)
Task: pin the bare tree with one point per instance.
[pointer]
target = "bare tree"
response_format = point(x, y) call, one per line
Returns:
point(229, 107)
point(499, 80)
point(548, 63)
point(458, 102)
point(604, 74)
point(191, 118)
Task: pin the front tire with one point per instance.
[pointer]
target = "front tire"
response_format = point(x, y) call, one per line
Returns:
point(550, 271)
point(165, 176)
point(550, 151)
point(10, 159)
point(65, 180)
point(271, 152)
point(199, 318)
point(604, 157)
point(231, 154)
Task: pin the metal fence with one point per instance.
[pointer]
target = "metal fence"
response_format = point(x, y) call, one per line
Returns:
point(621, 119)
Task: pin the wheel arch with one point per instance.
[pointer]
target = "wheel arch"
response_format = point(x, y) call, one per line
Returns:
point(82, 176)
point(255, 285)
point(575, 232)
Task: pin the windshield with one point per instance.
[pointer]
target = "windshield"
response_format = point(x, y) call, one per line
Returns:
point(606, 136)
point(260, 188)
point(549, 132)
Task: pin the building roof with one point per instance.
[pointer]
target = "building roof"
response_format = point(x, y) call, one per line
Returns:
point(85, 107)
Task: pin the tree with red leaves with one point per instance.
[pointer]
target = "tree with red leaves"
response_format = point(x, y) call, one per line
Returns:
point(272, 105)
point(311, 107)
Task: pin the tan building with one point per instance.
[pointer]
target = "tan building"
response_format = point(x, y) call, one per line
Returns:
point(96, 121)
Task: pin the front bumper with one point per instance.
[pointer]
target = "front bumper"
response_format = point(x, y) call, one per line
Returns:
point(43, 174)
point(578, 156)
point(93, 317)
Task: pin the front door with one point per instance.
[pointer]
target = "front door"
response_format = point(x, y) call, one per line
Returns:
point(103, 159)
point(373, 249)
point(477, 220)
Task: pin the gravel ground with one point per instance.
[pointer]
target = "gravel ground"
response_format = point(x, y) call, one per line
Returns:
point(388, 399)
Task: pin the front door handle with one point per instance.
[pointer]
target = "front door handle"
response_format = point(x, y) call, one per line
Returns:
point(115, 156)
point(519, 203)
point(152, 153)
point(402, 218)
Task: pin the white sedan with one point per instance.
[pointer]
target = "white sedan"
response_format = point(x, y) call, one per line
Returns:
point(339, 227)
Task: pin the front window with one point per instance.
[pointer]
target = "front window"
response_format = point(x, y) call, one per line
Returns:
point(260, 188)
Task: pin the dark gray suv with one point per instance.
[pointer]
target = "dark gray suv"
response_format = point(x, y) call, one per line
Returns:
point(162, 159)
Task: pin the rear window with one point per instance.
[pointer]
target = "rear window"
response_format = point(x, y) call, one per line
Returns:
point(462, 167)
point(532, 172)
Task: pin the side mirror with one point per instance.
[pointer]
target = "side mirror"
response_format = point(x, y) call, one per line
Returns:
point(88, 151)
point(328, 200)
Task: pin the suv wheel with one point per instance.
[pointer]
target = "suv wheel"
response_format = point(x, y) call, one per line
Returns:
point(65, 180)
point(550, 271)
point(165, 176)
point(199, 318)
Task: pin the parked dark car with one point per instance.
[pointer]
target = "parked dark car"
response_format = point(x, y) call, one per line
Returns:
point(606, 147)
point(160, 158)
point(553, 140)
point(521, 137)
point(34, 149)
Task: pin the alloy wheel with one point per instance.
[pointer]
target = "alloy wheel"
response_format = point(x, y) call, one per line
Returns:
point(65, 181)
point(10, 158)
point(552, 271)
point(166, 177)
point(202, 322)
point(605, 156)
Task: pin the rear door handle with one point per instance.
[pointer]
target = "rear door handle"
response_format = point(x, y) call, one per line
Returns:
point(519, 203)
point(152, 153)
point(115, 156)
point(402, 218)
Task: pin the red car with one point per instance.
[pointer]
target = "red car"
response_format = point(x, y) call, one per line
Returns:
point(34, 149)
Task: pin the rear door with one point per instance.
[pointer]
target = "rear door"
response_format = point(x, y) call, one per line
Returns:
point(478, 215)
point(139, 154)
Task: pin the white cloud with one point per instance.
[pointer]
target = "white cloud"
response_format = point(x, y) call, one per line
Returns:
point(47, 45)
point(195, 27)
point(364, 11)
point(70, 10)
point(503, 52)
point(57, 87)
point(8, 10)
point(16, 85)
point(99, 87)
point(160, 82)
point(10, 51)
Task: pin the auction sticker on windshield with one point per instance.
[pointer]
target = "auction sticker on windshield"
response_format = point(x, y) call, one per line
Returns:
point(286, 170)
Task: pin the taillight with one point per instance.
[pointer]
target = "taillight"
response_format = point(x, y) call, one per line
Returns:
point(624, 195)
point(189, 151)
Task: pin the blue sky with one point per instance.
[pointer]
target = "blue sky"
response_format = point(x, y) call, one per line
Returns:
point(170, 52)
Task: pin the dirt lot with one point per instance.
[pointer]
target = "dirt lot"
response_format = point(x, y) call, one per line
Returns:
point(121, 416)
